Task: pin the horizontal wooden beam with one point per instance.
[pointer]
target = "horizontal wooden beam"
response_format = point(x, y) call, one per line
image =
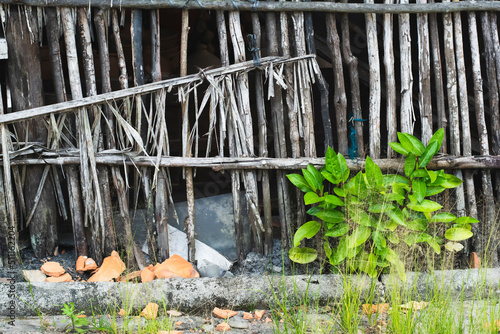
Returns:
point(73, 105)
point(216, 163)
point(281, 6)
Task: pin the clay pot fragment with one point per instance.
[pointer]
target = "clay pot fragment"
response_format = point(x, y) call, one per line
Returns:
point(247, 316)
point(85, 264)
point(259, 314)
point(63, 278)
point(175, 266)
point(112, 267)
point(53, 269)
point(130, 276)
point(150, 311)
point(223, 327)
point(223, 314)
point(375, 308)
point(474, 260)
point(147, 274)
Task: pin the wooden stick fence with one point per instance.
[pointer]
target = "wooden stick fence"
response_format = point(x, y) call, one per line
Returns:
point(260, 115)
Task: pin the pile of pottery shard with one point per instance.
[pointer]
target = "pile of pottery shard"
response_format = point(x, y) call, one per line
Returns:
point(113, 267)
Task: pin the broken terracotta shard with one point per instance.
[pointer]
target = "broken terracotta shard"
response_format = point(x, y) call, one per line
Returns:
point(175, 266)
point(112, 267)
point(150, 311)
point(53, 269)
point(63, 278)
point(223, 314)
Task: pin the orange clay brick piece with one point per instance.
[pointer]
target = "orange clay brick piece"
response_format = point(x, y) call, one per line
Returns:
point(63, 278)
point(259, 314)
point(474, 260)
point(174, 313)
point(53, 269)
point(223, 327)
point(175, 266)
point(147, 275)
point(121, 313)
point(247, 316)
point(90, 264)
point(170, 332)
point(150, 311)
point(224, 314)
point(80, 263)
point(112, 267)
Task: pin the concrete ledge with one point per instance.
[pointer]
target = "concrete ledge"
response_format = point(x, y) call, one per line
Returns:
point(189, 295)
point(198, 295)
point(466, 284)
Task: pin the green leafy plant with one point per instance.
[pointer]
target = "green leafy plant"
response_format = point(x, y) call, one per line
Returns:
point(77, 324)
point(367, 214)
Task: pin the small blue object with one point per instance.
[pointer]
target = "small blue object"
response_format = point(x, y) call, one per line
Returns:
point(353, 148)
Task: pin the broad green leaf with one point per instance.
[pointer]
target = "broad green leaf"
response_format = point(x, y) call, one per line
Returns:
point(308, 230)
point(338, 230)
point(367, 262)
point(417, 225)
point(332, 199)
point(379, 240)
point(373, 174)
point(331, 216)
point(432, 175)
point(438, 137)
point(409, 164)
point(311, 198)
point(454, 246)
point(362, 218)
point(389, 225)
point(332, 163)
point(381, 208)
point(391, 197)
point(434, 190)
point(299, 181)
point(420, 148)
point(339, 191)
point(314, 210)
point(451, 181)
point(466, 226)
point(443, 217)
point(343, 167)
point(457, 234)
point(390, 179)
point(428, 153)
point(327, 248)
point(420, 172)
point(302, 255)
point(339, 253)
point(435, 245)
point(399, 148)
point(397, 216)
point(330, 177)
point(407, 144)
point(425, 206)
point(393, 238)
point(419, 189)
point(317, 177)
point(411, 238)
point(466, 220)
point(358, 236)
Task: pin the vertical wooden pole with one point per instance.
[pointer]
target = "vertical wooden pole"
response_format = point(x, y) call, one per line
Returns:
point(24, 78)
point(481, 230)
point(424, 80)
point(442, 119)
point(390, 81)
point(339, 95)
point(235, 175)
point(407, 116)
point(352, 64)
point(375, 90)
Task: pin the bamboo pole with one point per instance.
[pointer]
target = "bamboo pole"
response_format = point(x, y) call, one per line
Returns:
point(407, 115)
point(339, 95)
point(390, 82)
point(75, 195)
point(481, 235)
point(316, 6)
point(189, 221)
point(263, 151)
point(279, 137)
point(352, 63)
point(251, 191)
point(243, 163)
point(442, 119)
point(464, 117)
point(235, 175)
point(424, 82)
point(496, 42)
point(294, 131)
point(375, 92)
